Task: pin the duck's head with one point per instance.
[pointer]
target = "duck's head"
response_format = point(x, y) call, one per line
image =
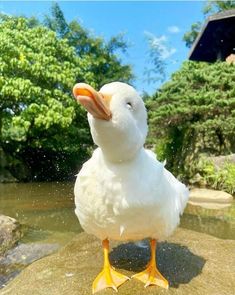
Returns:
point(117, 118)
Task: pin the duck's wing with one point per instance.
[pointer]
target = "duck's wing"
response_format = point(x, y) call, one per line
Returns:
point(167, 185)
point(178, 188)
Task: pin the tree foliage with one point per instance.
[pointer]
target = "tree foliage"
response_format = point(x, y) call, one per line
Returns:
point(210, 7)
point(156, 68)
point(194, 114)
point(40, 122)
point(105, 65)
point(190, 36)
point(37, 72)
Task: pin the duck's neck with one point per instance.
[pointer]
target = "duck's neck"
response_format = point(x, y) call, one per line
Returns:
point(119, 156)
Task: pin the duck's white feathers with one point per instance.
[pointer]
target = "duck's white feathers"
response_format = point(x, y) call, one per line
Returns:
point(130, 200)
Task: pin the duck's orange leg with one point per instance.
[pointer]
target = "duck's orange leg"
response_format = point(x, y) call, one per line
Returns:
point(151, 275)
point(108, 277)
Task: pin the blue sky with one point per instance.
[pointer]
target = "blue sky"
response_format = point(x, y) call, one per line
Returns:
point(165, 21)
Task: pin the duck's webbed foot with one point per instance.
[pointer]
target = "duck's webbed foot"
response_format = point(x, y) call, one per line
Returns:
point(151, 275)
point(108, 277)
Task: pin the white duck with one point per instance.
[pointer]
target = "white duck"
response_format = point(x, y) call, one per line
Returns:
point(123, 192)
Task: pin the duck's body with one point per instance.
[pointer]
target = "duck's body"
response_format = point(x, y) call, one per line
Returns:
point(129, 200)
point(123, 192)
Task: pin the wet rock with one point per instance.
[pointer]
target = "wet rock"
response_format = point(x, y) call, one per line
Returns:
point(7, 276)
point(10, 233)
point(194, 263)
point(25, 254)
point(18, 258)
point(211, 199)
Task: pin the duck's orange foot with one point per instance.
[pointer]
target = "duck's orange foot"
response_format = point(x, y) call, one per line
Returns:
point(152, 276)
point(108, 278)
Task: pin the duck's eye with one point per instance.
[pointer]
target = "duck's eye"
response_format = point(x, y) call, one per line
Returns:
point(129, 105)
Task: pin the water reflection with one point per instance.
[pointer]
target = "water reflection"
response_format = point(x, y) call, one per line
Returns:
point(47, 208)
point(219, 223)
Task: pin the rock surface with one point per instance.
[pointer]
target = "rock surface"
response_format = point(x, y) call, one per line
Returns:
point(16, 259)
point(211, 199)
point(10, 233)
point(24, 254)
point(194, 263)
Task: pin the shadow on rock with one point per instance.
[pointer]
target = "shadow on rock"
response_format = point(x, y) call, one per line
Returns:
point(176, 262)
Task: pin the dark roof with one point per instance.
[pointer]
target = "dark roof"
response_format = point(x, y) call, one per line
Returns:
point(216, 39)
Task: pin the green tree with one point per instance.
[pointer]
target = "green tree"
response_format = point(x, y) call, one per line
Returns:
point(209, 8)
point(218, 6)
point(41, 125)
point(39, 119)
point(193, 115)
point(57, 22)
point(156, 68)
point(190, 36)
point(106, 65)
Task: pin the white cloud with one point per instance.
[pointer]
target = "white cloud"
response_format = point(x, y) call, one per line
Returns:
point(160, 44)
point(173, 29)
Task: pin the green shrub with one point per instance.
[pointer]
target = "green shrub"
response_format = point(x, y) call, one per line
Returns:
point(218, 178)
point(193, 114)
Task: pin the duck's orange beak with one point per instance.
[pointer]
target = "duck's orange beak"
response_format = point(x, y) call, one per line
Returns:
point(94, 102)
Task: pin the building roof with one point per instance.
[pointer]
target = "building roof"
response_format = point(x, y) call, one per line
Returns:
point(216, 39)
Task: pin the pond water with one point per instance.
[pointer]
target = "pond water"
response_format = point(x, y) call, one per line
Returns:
point(47, 209)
